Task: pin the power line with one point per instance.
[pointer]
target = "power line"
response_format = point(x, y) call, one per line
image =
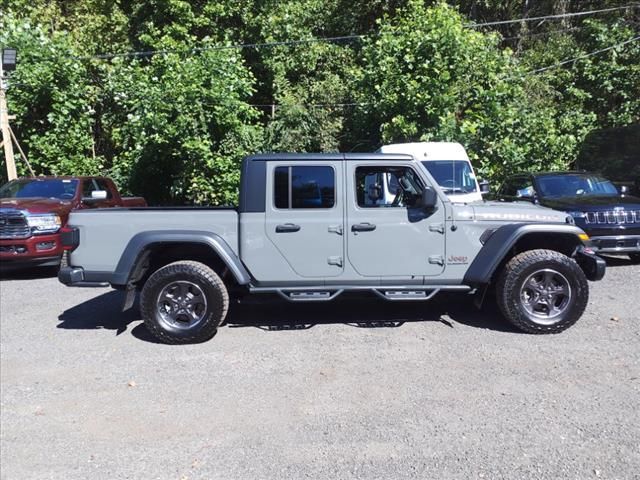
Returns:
point(541, 34)
point(354, 104)
point(308, 105)
point(532, 72)
point(364, 104)
point(550, 17)
point(147, 53)
point(337, 39)
point(586, 55)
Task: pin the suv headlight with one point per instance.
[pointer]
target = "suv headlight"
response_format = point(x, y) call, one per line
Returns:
point(47, 223)
point(577, 214)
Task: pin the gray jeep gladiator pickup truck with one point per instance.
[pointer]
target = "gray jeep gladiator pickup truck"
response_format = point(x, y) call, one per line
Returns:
point(310, 227)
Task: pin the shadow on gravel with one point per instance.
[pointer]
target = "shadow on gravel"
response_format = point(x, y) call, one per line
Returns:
point(275, 314)
point(365, 312)
point(618, 261)
point(31, 273)
point(102, 312)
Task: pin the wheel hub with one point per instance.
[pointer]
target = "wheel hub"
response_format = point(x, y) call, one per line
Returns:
point(181, 304)
point(546, 295)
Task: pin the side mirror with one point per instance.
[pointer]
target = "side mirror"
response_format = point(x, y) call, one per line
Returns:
point(484, 187)
point(96, 195)
point(429, 198)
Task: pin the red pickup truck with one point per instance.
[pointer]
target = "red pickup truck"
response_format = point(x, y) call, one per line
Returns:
point(33, 210)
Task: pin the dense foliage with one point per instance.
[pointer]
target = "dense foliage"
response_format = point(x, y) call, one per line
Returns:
point(174, 125)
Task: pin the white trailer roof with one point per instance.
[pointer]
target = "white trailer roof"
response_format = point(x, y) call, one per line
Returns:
point(428, 150)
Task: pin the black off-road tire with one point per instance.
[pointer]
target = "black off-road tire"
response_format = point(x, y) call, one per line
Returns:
point(207, 280)
point(634, 257)
point(519, 269)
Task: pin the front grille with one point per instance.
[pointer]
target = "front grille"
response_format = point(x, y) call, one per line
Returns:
point(613, 217)
point(13, 224)
point(616, 243)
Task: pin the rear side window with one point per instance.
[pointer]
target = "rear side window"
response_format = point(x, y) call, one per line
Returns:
point(304, 187)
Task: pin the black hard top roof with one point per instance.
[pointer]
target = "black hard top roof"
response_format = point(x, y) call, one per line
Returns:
point(545, 174)
point(265, 157)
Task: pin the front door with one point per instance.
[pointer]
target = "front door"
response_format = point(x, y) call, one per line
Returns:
point(90, 185)
point(305, 216)
point(392, 235)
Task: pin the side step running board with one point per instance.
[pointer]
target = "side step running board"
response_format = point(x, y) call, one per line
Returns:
point(329, 292)
point(309, 296)
point(404, 295)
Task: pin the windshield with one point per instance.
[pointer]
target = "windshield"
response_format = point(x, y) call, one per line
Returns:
point(453, 176)
point(49, 188)
point(577, 185)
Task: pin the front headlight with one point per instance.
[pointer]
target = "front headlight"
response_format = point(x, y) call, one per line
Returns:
point(47, 223)
point(577, 214)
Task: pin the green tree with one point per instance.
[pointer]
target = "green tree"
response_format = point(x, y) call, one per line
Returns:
point(427, 77)
point(174, 126)
point(180, 124)
point(308, 82)
point(51, 96)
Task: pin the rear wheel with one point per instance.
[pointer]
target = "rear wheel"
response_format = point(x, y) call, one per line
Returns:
point(184, 302)
point(542, 291)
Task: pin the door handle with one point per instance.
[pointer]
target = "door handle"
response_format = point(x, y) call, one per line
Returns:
point(337, 229)
point(363, 227)
point(287, 228)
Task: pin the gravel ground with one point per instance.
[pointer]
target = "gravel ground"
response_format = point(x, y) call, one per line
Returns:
point(356, 389)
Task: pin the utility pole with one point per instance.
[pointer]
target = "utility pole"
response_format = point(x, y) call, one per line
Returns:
point(7, 141)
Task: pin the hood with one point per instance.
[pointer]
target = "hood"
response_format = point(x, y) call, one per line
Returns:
point(38, 205)
point(516, 212)
point(589, 203)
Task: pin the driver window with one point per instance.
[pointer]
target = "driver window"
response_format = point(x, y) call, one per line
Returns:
point(103, 185)
point(518, 187)
point(88, 186)
point(387, 187)
point(93, 184)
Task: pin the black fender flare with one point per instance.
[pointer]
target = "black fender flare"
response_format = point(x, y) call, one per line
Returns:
point(142, 241)
point(497, 246)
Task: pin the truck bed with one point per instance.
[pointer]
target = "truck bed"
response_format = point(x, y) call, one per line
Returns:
point(108, 231)
point(133, 202)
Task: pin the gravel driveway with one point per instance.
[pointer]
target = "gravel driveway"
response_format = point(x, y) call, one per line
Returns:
point(356, 389)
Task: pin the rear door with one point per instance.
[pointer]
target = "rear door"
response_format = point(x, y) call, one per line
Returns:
point(392, 237)
point(305, 216)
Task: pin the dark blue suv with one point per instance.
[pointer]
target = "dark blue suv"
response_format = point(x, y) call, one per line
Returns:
point(610, 218)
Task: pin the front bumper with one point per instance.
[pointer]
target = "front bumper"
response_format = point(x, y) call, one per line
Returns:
point(77, 277)
point(616, 243)
point(36, 250)
point(591, 264)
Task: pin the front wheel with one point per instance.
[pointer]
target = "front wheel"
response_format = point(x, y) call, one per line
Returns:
point(184, 302)
point(542, 291)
